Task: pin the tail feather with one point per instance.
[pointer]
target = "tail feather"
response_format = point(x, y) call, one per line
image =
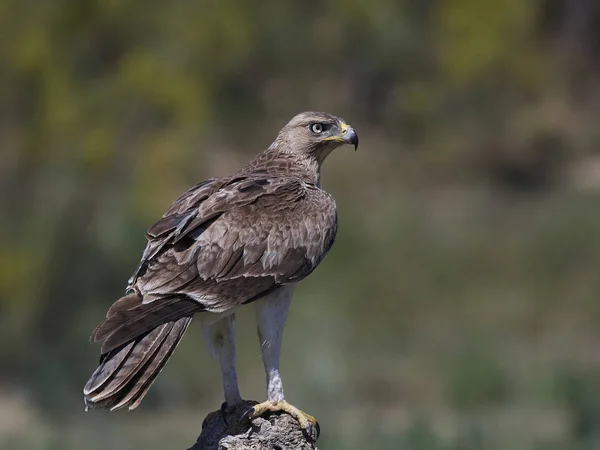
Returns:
point(126, 373)
point(137, 340)
point(129, 318)
point(143, 350)
point(124, 304)
point(109, 364)
point(153, 368)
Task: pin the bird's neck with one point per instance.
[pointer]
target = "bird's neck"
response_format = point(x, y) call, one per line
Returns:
point(281, 163)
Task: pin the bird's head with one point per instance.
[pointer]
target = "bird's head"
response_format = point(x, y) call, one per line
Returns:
point(316, 134)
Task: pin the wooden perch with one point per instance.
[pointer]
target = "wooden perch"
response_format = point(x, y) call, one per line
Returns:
point(273, 431)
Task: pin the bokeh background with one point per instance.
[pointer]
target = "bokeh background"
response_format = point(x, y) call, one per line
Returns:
point(460, 306)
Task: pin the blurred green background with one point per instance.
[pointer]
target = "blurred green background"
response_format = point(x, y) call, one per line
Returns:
point(459, 308)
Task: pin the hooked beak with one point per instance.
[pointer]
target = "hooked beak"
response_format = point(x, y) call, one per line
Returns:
point(349, 136)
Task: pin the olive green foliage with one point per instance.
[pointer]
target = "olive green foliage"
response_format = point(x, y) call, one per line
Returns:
point(459, 307)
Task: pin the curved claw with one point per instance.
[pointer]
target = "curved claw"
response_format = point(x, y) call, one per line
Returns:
point(249, 414)
point(306, 421)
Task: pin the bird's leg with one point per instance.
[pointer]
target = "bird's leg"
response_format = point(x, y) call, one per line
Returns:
point(220, 336)
point(271, 313)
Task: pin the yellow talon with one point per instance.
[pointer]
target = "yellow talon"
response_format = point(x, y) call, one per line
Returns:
point(306, 421)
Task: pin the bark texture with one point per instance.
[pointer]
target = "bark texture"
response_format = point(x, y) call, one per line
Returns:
point(273, 431)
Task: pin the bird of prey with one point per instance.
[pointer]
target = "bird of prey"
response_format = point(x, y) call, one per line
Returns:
point(227, 242)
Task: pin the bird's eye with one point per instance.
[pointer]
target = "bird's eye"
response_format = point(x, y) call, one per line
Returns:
point(317, 128)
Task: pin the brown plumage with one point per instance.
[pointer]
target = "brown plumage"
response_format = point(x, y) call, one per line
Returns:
point(223, 243)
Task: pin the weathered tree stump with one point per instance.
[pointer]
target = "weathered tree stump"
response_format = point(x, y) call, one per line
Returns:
point(273, 431)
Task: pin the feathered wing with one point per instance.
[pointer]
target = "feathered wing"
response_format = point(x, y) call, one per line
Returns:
point(223, 243)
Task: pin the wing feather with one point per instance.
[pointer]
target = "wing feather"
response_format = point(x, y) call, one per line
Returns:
point(229, 241)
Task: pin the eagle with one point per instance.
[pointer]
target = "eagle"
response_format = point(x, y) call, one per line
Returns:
point(226, 242)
